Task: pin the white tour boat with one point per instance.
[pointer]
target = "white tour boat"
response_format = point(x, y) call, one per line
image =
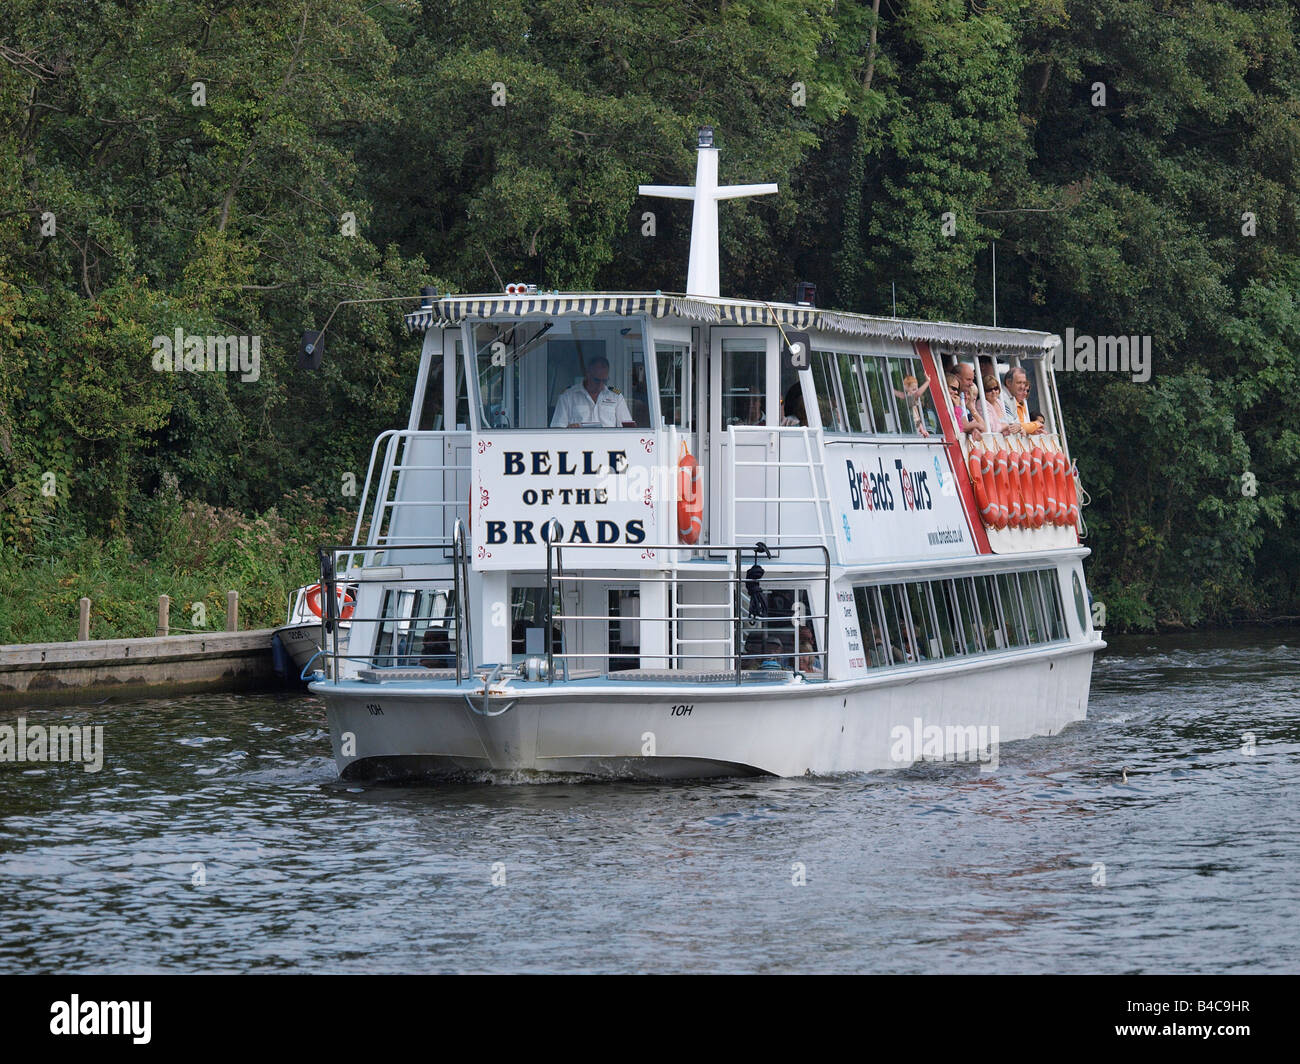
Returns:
point(673, 536)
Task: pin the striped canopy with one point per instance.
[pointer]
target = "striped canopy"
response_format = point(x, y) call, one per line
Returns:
point(452, 310)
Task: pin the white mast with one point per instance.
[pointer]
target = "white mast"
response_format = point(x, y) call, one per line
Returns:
point(702, 273)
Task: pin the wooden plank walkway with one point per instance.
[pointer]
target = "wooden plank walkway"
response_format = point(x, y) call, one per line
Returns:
point(33, 674)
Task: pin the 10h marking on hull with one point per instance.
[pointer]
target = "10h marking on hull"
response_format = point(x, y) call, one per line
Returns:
point(682, 711)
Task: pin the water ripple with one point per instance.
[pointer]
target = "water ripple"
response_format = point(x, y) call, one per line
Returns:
point(1157, 836)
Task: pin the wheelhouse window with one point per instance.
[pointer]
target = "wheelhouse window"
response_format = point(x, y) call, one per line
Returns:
point(562, 373)
point(673, 364)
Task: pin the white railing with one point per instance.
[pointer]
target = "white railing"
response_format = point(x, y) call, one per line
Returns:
point(729, 611)
point(421, 491)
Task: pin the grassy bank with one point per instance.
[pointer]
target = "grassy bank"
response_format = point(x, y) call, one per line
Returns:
point(186, 549)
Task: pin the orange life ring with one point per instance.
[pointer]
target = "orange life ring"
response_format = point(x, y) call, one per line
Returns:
point(1036, 478)
point(690, 505)
point(346, 603)
point(1002, 475)
point(1027, 483)
point(989, 470)
point(1072, 496)
point(1051, 485)
point(1017, 489)
point(1062, 502)
point(988, 510)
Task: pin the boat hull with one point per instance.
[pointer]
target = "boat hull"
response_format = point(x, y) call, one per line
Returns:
point(643, 731)
point(300, 642)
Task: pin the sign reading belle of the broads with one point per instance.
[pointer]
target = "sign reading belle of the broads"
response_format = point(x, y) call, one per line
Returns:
point(895, 502)
point(603, 488)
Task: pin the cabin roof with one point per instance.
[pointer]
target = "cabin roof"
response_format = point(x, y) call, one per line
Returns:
point(452, 310)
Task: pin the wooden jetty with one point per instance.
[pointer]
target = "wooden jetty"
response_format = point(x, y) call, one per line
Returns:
point(34, 674)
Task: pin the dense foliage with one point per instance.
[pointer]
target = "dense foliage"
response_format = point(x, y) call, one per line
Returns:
point(236, 167)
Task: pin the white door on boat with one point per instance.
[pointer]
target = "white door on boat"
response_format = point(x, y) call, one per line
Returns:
point(743, 392)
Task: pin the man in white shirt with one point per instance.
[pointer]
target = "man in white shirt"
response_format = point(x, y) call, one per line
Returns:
point(593, 401)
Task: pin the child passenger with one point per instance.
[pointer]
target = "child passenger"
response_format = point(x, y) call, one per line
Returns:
point(914, 393)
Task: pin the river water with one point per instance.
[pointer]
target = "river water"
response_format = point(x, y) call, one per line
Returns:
point(217, 838)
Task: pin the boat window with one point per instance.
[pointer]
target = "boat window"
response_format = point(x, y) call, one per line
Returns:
point(870, 625)
point(783, 633)
point(541, 374)
point(1080, 607)
point(900, 633)
point(1031, 597)
point(744, 382)
point(673, 363)
point(925, 621)
point(883, 420)
point(462, 391)
point(1052, 601)
point(912, 397)
point(528, 615)
point(992, 626)
point(1009, 595)
point(406, 618)
point(432, 406)
point(900, 419)
point(828, 398)
point(624, 608)
point(922, 615)
point(866, 394)
point(855, 401)
point(791, 395)
point(972, 624)
point(944, 594)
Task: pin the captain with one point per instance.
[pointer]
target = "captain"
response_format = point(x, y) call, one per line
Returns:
point(593, 401)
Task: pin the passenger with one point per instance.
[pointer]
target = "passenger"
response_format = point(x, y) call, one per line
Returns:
point(879, 655)
point(774, 655)
point(993, 415)
point(1037, 416)
point(913, 393)
point(966, 374)
point(1015, 405)
point(792, 408)
point(966, 421)
point(973, 403)
point(809, 661)
point(593, 401)
point(909, 651)
point(436, 649)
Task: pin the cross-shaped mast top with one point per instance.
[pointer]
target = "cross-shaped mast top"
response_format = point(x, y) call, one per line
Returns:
point(702, 273)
